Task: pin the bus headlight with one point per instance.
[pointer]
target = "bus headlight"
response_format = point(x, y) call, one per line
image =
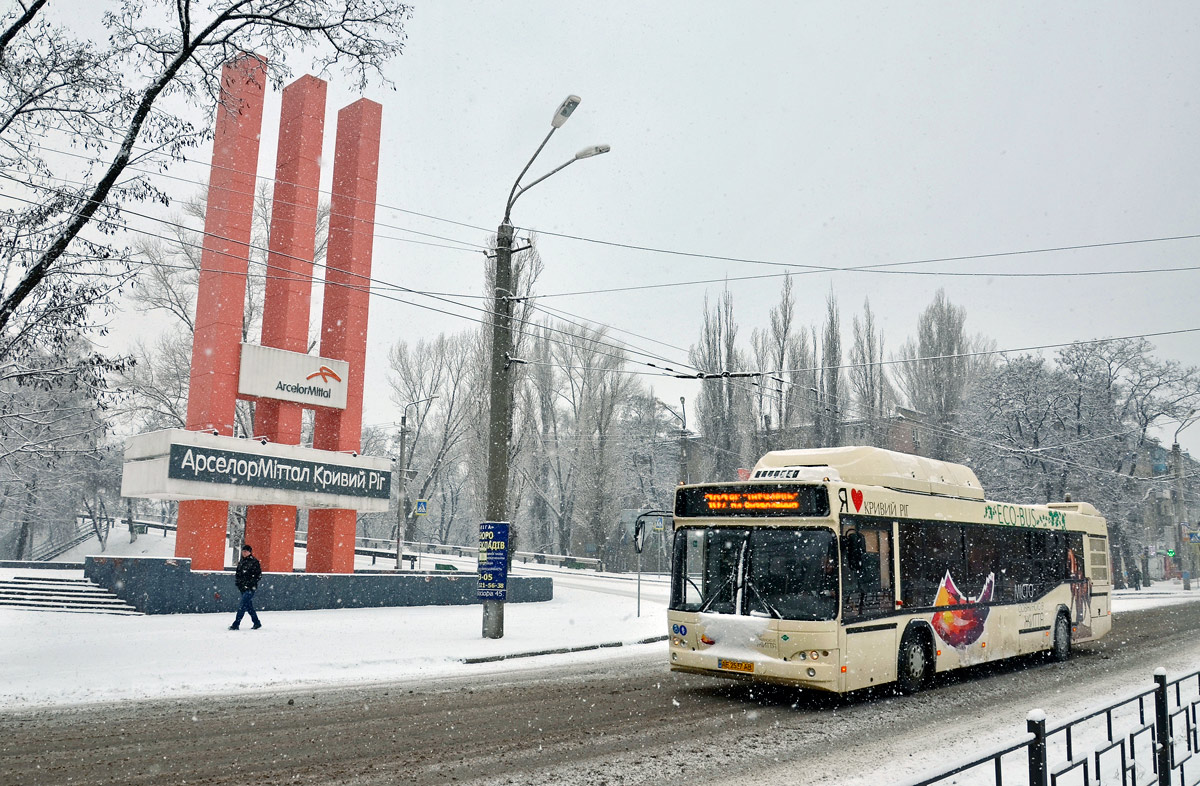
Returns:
point(812, 672)
point(812, 656)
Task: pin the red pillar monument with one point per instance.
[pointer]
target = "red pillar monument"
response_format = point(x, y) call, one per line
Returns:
point(344, 317)
point(220, 300)
point(271, 529)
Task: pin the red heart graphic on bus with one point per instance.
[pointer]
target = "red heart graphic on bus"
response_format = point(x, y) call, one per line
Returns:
point(857, 497)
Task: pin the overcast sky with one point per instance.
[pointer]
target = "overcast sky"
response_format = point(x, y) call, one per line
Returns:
point(834, 134)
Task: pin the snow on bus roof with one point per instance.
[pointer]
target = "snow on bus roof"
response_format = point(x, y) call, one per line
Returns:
point(878, 467)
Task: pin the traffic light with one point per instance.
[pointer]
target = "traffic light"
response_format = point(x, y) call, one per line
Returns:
point(1170, 552)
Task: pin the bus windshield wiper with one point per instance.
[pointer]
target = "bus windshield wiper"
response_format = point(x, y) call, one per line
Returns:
point(711, 598)
point(774, 611)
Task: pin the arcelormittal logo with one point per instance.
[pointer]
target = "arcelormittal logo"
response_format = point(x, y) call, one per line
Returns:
point(325, 372)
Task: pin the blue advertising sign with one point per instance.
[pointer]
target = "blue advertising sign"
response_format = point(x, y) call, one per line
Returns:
point(493, 560)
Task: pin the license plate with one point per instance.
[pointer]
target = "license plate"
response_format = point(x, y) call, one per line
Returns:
point(744, 666)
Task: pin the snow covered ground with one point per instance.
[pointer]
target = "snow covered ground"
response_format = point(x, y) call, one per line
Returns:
point(61, 658)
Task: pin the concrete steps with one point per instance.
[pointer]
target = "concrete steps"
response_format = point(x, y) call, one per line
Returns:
point(43, 593)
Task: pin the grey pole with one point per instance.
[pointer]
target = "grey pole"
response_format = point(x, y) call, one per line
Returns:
point(402, 492)
point(639, 590)
point(1181, 546)
point(683, 468)
point(499, 409)
point(500, 380)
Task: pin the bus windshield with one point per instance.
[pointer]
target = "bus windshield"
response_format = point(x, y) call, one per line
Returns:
point(784, 573)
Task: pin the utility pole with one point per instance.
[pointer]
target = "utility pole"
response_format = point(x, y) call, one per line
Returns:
point(1180, 517)
point(681, 416)
point(401, 492)
point(683, 457)
point(495, 508)
point(499, 409)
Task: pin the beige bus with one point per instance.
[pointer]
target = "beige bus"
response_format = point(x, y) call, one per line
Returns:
point(844, 568)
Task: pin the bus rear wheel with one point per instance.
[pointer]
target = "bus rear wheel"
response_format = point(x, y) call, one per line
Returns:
point(913, 664)
point(1061, 650)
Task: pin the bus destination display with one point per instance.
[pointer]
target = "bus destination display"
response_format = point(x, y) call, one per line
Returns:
point(752, 500)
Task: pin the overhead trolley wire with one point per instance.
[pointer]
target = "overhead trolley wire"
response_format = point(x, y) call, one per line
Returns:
point(471, 246)
point(289, 275)
point(797, 268)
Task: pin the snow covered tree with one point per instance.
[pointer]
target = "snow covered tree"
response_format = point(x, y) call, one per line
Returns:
point(937, 367)
point(723, 403)
point(780, 352)
point(871, 390)
point(52, 432)
point(1019, 413)
point(828, 419)
point(435, 375)
point(85, 122)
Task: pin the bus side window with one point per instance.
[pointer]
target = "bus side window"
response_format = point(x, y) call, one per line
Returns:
point(867, 588)
point(928, 551)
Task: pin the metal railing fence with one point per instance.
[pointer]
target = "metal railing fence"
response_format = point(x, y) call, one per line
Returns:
point(1149, 739)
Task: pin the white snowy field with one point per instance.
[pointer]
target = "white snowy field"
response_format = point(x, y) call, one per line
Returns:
point(63, 658)
point(51, 658)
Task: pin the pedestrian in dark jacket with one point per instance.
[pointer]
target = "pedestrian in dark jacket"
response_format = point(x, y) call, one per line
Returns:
point(246, 578)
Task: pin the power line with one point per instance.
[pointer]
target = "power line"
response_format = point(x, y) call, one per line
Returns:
point(881, 267)
point(469, 245)
point(658, 371)
point(368, 279)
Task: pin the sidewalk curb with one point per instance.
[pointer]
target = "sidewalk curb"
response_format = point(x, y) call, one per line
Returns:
point(561, 650)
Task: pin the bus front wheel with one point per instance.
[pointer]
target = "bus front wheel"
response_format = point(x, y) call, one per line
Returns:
point(913, 664)
point(1062, 639)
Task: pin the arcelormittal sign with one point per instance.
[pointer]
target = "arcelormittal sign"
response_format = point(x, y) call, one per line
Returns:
point(292, 376)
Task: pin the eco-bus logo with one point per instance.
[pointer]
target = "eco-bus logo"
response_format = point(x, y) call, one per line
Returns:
point(961, 627)
point(325, 372)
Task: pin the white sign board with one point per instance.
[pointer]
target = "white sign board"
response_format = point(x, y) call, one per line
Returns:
point(180, 464)
point(314, 381)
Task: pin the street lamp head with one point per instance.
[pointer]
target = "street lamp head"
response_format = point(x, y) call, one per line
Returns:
point(594, 150)
point(564, 111)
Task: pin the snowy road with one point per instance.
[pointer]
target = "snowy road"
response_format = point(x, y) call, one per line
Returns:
point(624, 720)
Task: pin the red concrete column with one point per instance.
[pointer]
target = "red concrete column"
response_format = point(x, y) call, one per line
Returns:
point(271, 528)
point(344, 316)
point(220, 300)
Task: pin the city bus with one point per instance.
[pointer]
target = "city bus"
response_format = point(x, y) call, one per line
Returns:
point(845, 568)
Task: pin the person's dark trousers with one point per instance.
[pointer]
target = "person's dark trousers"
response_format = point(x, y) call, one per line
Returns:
point(247, 605)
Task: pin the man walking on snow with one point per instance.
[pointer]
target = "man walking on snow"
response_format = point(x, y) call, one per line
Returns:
point(246, 578)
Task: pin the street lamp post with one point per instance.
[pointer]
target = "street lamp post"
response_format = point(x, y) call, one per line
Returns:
point(1180, 508)
point(500, 392)
point(682, 417)
point(402, 492)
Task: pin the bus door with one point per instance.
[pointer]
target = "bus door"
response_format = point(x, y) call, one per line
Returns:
point(868, 602)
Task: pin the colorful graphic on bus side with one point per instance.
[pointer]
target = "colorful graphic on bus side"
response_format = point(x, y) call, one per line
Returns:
point(961, 627)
